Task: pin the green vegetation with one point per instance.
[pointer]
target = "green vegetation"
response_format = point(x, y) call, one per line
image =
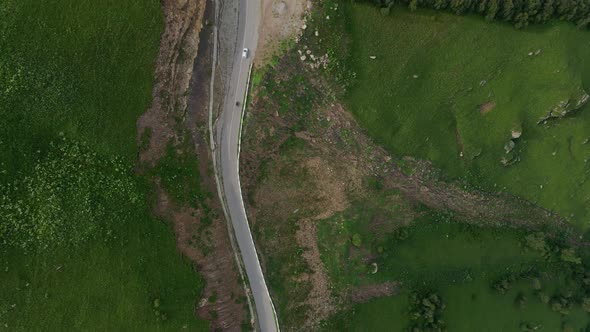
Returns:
point(383, 314)
point(469, 307)
point(105, 284)
point(469, 252)
point(78, 246)
point(71, 196)
point(501, 109)
point(178, 171)
point(488, 279)
point(290, 90)
point(82, 68)
point(426, 312)
point(471, 97)
point(519, 12)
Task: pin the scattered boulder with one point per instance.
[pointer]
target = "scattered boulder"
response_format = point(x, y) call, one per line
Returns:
point(566, 107)
point(511, 157)
point(509, 146)
point(516, 134)
point(535, 53)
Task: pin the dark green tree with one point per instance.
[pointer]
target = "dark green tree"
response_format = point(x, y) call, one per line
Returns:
point(441, 4)
point(508, 10)
point(492, 10)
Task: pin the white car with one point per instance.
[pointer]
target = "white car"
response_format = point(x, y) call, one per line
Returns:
point(245, 53)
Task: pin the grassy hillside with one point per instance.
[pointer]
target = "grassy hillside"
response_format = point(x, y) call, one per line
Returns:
point(465, 250)
point(79, 248)
point(463, 264)
point(452, 89)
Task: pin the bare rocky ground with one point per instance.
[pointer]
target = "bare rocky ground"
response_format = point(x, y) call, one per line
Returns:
point(281, 20)
point(179, 113)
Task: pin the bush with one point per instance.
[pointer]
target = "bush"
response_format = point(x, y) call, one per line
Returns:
point(520, 300)
point(357, 240)
point(178, 171)
point(569, 256)
point(503, 285)
point(537, 242)
point(426, 312)
point(561, 305)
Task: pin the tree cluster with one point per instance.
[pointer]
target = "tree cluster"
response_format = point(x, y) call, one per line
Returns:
point(518, 12)
point(426, 312)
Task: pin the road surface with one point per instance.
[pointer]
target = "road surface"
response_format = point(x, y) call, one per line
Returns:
point(228, 136)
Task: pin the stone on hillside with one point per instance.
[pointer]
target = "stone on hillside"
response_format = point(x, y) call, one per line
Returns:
point(374, 268)
point(509, 146)
point(516, 132)
point(565, 107)
point(509, 159)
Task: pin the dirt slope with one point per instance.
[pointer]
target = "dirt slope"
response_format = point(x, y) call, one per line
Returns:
point(178, 114)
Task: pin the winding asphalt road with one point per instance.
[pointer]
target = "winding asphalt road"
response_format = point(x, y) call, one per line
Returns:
point(228, 139)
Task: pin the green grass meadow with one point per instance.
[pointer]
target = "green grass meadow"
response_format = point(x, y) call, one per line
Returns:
point(82, 72)
point(421, 94)
point(103, 285)
point(460, 262)
point(472, 307)
point(383, 314)
point(435, 252)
